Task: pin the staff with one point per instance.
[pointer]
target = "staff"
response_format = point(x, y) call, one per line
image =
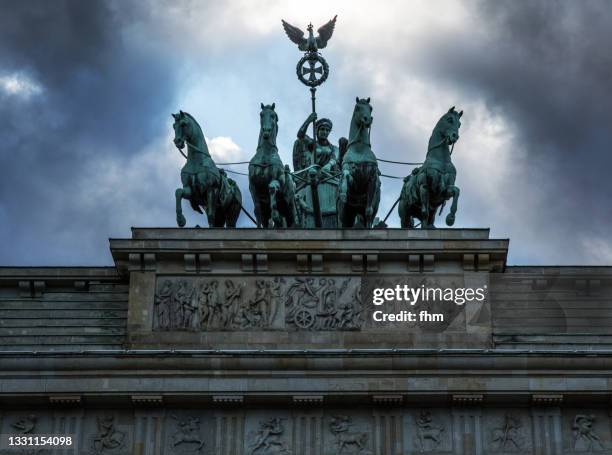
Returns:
point(313, 65)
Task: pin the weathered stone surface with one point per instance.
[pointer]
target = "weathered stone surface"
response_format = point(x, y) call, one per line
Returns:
point(78, 308)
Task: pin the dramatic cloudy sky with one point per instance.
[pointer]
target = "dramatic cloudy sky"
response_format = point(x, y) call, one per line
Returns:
point(87, 88)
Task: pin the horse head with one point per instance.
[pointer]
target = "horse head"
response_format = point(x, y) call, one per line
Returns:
point(268, 123)
point(186, 129)
point(446, 131)
point(362, 115)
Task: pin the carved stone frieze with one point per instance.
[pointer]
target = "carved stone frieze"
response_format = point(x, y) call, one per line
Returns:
point(22, 425)
point(25, 425)
point(323, 304)
point(108, 438)
point(269, 439)
point(429, 432)
point(289, 430)
point(187, 436)
point(584, 436)
point(291, 303)
point(348, 440)
point(509, 437)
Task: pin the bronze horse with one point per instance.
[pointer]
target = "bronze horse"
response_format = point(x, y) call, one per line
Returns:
point(204, 185)
point(360, 183)
point(432, 184)
point(270, 181)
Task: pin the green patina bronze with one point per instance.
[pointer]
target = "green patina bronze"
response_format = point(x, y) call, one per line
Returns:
point(270, 181)
point(360, 183)
point(320, 177)
point(314, 160)
point(432, 184)
point(326, 154)
point(330, 186)
point(312, 43)
point(204, 185)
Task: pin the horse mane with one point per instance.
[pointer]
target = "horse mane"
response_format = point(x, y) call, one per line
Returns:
point(203, 145)
point(194, 121)
point(353, 129)
point(436, 129)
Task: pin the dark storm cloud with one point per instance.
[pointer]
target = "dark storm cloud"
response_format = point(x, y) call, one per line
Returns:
point(549, 67)
point(75, 52)
point(100, 97)
point(546, 66)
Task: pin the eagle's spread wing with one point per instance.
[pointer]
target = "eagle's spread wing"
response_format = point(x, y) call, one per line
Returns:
point(295, 34)
point(325, 33)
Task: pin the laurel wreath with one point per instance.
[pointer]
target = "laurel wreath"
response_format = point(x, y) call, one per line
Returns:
point(318, 58)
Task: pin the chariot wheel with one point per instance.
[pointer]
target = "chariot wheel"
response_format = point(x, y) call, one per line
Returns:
point(304, 319)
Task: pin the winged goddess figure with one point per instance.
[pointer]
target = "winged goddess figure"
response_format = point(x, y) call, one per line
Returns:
point(310, 44)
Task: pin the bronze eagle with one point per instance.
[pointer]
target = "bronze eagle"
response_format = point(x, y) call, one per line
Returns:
point(310, 44)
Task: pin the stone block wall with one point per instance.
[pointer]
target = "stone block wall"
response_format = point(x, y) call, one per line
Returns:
point(59, 309)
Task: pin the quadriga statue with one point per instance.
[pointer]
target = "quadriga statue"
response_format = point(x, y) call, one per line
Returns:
point(433, 183)
point(204, 185)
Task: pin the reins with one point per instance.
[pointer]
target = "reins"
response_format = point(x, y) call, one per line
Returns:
point(442, 142)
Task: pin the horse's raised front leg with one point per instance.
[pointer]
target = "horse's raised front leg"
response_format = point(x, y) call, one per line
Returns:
point(180, 194)
point(454, 192)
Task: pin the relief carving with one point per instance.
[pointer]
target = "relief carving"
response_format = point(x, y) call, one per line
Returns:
point(163, 306)
point(428, 430)
point(185, 301)
point(321, 304)
point(195, 304)
point(107, 439)
point(258, 309)
point(348, 441)
point(509, 437)
point(269, 439)
point(25, 425)
point(188, 434)
point(584, 434)
point(209, 305)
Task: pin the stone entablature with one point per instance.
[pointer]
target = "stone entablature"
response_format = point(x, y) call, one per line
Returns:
point(290, 251)
point(240, 288)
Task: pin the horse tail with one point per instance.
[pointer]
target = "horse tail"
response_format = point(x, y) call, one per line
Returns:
point(235, 206)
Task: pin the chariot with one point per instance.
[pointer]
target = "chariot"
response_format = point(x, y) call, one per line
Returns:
point(316, 193)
